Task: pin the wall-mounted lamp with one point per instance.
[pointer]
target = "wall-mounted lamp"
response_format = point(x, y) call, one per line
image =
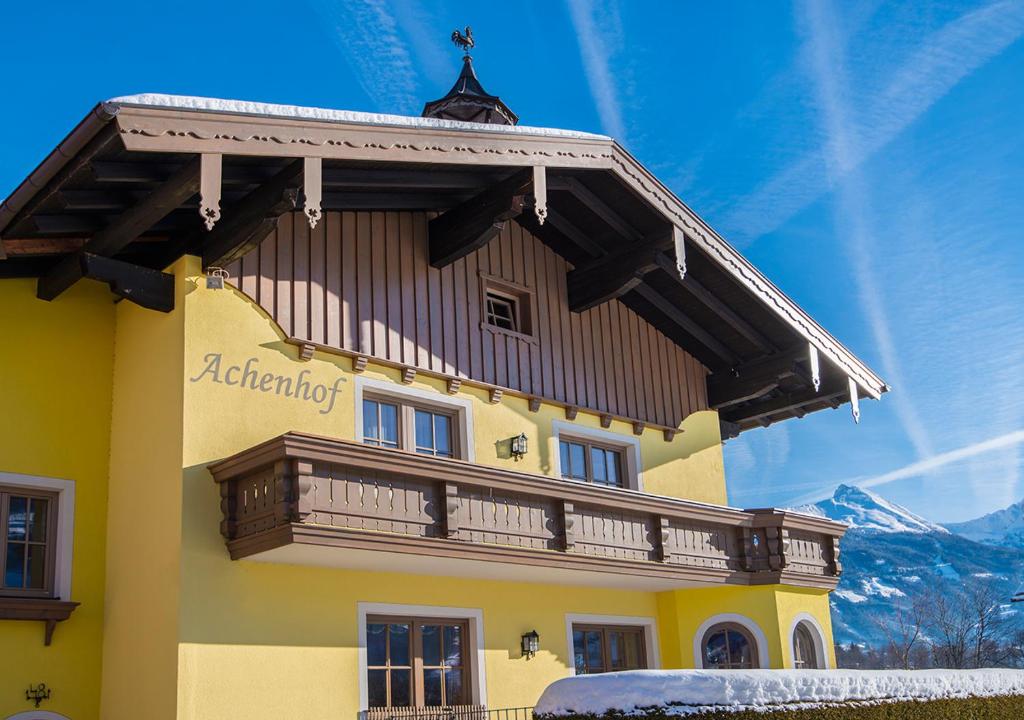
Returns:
point(37, 693)
point(517, 445)
point(215, 278)
point(531, 644)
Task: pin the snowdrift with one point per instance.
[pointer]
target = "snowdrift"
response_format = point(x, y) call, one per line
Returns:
point(805, 693)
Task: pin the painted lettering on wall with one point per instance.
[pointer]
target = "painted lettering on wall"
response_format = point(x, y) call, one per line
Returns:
point(249, 377)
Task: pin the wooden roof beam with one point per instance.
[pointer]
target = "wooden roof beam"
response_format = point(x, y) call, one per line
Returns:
point(613, 275)
point(688, 325)
point(707, 298)
point(786, 403)
point(182, 185)
point(143, 286)
point(469, 226)
point(599, 207)
point(752, 380)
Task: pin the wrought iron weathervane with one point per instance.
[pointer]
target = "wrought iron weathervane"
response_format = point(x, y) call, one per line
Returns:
point(464, 41)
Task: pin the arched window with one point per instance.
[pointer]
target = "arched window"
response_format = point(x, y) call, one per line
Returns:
point(729, 646)
point(805, 647)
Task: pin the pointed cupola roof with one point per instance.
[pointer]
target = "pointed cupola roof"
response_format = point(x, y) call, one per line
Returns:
point(467, 100)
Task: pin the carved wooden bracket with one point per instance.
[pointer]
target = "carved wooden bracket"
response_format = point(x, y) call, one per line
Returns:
point(209, 189)
point(664, 539)
point(540, 193)
point(304, 489)
point(359, 363)
point(495, 396)
point(228, 509)
point(306, 351)
point(669, 434)
point(777, 539)
point(312, 189)
point(571, 411)
point(451, 509)
point(638, 428)
point(569, 525)
point(606, 421)
point(534, 404)
point(837, 567)
point(408, 375)
point(453, 385)
point(283, 475)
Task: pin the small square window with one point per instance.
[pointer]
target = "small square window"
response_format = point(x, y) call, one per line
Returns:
point(507, 307)
point(502, 312)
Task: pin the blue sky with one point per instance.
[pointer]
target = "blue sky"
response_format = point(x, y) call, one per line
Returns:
point(868, 157)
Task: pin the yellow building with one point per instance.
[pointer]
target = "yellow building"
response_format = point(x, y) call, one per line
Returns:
point(387, 414)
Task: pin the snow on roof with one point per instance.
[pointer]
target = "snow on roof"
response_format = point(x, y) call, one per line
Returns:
point(688, 692)
point(297, 112)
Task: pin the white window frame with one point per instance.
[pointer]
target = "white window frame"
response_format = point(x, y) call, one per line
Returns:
point(475, 616)
point(629, 446)
point(649, 625)
point(460, 408)
point(817, 635)
point(742, 620)
point(65, 535)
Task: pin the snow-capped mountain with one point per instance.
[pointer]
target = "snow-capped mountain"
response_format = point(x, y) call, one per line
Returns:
point(891, 555)
point(865, 510)
point(1003, 527)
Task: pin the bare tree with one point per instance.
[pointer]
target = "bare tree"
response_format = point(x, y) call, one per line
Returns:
point(969, 628)
point(903, 633)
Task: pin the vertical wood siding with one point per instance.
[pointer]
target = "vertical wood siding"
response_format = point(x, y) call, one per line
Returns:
point(362, 282)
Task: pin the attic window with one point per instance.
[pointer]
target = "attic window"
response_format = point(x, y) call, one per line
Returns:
point(507, 307)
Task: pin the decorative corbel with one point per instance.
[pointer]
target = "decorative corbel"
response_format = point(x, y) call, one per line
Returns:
point(837, 567)
point(304, 490)
point(209, 188)
point(669, 434)
point(284, 473)
point(408, 375)
point(534, 404)
point(606, 421)
point(453, 385)
point(569, 525)
point(854, 400)
point(571, 411)
point(306, 351)
point(638, 428)
point(664, 539)
point(451, 509)
point(495, 396)
point(359, 363)
point(679, 240)
point(228, 509)
point(540, 193)
point(312, 188)
point(812, 356)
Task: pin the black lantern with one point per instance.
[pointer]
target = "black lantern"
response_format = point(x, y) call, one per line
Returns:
point(531, 644)
point(518, 446)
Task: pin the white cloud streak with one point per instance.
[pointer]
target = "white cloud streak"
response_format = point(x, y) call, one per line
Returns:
point(597, 45)
point(367, 33)
point(935, 462)
point(940, 62)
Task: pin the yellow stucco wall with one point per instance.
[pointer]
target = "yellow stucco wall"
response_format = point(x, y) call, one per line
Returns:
point(144, 530)
point(55, 382)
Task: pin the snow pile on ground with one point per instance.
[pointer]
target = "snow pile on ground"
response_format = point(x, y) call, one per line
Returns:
point(245, 107)
point(865, 510)
point(687, 692)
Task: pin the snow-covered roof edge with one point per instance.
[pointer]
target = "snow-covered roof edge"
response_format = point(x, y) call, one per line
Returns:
point(299, 112)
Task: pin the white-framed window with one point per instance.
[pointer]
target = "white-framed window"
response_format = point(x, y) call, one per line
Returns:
point(597, 456)
point(413, 419)
point(730, 640)
point(611, 643)
point(37, 523)
point(807, 643)
point(370, 617)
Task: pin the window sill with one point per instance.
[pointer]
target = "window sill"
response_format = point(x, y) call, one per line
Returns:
point(495, 330)
point(47, 610)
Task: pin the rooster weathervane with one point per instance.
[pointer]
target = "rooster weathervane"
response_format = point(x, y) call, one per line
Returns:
point(464, 41)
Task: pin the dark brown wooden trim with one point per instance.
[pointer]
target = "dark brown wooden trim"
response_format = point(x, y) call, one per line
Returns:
point(48, 611)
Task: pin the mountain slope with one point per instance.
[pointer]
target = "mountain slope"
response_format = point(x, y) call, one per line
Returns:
point(1003, 527)
point(865, 510)
point(891, 556)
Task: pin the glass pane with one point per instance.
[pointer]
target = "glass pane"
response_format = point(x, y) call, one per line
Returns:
point(739, 650)
point(401, 688)
point(616, 650)
point(432, 687)
point(370, 428)
point(376, 644)
point(715, 652)
point(597, 465)
point(431, 635)
point(613, 462)
point(443, 435)
point(16, 518)
point(577, 460)
point(577, 651)
point(453, 687)
point(635, 659)
point(14, 569)
point(563, 451)
point(36, 567)
point(400, 644)
point(424, 430)
point(453, 645)
point(595, 663)
point(377, 686)
point(37, 520)
point(389, 425)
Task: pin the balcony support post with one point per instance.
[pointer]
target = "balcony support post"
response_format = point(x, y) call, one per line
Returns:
point(451, 509)
point(569, 525)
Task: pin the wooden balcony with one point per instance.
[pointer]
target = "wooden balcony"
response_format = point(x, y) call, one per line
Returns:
point(311, 500)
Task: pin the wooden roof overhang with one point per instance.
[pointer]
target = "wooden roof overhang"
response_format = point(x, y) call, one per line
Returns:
point(120, 199)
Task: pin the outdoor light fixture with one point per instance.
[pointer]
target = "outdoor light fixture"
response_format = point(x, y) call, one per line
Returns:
point(531, 644)
point(518, 446)
point(215, 277)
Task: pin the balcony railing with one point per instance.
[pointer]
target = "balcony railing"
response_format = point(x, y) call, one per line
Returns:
point(455, 712)
point(317, 491)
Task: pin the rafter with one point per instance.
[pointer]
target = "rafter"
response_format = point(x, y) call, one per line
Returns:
point(143, 286)
point(688, 325)
point(610, 277)
point(469, 226)
point(600, 208)
point(751, 380)
point(787, 403)
point(182, 185)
